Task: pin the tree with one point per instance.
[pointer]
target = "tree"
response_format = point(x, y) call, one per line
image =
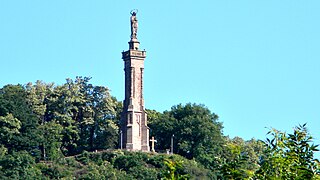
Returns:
point(19, 165)
point(173, 170)
point(13, 100)
point(9, 126)
point(289, 156)
point(63, 108)
point(96, 116)
point(37, 98)
point(239, 159)
point(197, 132)
point(162, 127)
point(86, 114)
point(51, 140)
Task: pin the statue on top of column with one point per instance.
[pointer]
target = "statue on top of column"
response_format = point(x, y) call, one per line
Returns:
point(134, 24)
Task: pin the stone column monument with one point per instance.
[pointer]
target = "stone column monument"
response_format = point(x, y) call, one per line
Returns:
point(134, 118)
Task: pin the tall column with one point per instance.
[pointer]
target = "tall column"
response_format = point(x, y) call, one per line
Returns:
point(134, 118)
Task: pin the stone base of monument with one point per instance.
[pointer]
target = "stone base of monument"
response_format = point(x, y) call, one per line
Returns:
point(145, 148)
point(129, 146)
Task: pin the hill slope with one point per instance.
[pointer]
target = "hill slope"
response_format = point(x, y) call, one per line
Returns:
point(116, 164)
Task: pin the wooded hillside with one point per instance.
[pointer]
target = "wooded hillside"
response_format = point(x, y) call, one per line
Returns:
point(71, 130)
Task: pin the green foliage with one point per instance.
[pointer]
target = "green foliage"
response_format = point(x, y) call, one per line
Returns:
point(138, 165)
point(18, 117)
point(196, 130)
point(111, 155)
point(19, 165)
point(177, 167)
point(197, 133)
point(9, 126)
point(234, 169)
point(54, 171)
point(195, 170)
point(3, 151)
point(90, 117)
point(83, 158)
point(173, 168)
point(41, 124)
point(142, 172)
point(96, 172)
point(234, 166)
point(289, 156)
point(162, 127)
point(50, 121)
point(78, 115)
point(156, 161)
point(240, 158)
point(51, 140)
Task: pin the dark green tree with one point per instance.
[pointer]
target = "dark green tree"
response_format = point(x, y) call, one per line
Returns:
point(197, 132)
point(19, 165)
point(13, 100)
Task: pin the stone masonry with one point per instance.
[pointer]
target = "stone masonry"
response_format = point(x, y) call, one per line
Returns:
point(135, 131)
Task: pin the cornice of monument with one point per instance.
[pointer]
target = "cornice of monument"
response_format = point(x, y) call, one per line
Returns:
point(134, 54)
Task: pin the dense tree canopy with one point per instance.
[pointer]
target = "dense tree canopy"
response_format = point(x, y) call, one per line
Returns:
point(54, 120)
point(71, 130)
point(196, 132)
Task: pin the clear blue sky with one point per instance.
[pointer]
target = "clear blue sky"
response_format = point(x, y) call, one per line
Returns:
point(254, 63)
